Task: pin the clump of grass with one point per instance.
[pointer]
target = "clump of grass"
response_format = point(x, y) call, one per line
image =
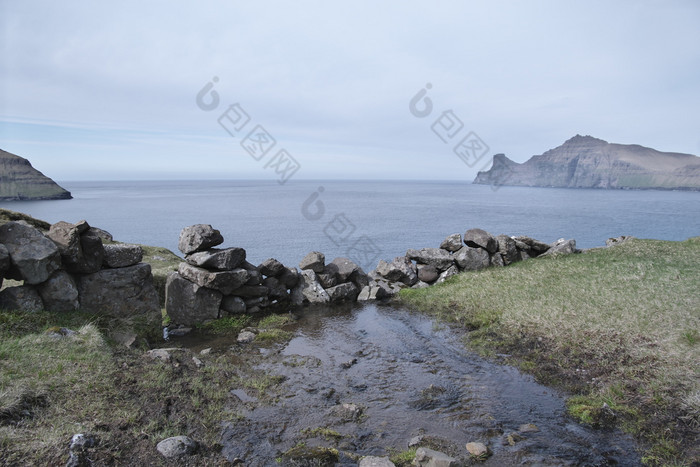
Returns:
point(403, 458)
point(615, 326)
point(323, 432)
point(228, 325)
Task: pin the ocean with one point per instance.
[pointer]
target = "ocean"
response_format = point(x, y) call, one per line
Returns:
point(364, 220)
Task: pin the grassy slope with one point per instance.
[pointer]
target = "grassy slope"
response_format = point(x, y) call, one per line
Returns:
point(618, 326)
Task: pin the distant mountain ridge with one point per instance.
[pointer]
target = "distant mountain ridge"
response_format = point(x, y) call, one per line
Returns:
point(588, 162)
point(20, 181)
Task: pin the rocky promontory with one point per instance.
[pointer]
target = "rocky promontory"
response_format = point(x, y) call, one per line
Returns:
point(588, 162)
point(20, 181)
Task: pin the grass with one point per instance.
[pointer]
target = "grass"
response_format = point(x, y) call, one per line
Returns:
point(617, 326)
point(163, 262)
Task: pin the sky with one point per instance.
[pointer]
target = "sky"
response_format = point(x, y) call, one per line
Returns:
point(94, 90)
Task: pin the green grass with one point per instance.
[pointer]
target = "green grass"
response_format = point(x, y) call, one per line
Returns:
point(617, 325)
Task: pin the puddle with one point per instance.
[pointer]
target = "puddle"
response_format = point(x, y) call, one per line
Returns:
point(367, 379)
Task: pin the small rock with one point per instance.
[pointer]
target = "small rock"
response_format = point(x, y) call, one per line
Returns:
point(271, 267)
point(177, 446)
point(316, 261)
point(618, 240)
point(206, 351)
point(415, 441)
point(161, 354)
point(477, 449)
point(197, 362)
point(348, 364)
point(372, 461)
point(452, 243)
point(82, 441)
point(429, 458)
point(179, 332)
point(528, 428)
point(121, 255)
point(246, 337)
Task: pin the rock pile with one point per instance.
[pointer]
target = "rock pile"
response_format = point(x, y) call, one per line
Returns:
point(214, 283)
point(69, 268)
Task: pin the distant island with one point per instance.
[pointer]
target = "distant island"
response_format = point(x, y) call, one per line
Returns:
point(588, 162)
point(20, 181)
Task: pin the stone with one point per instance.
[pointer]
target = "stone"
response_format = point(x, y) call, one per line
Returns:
point(451, 271)
point(257, 302)
point(251, 291)
point(528, 428)
point(420, 285)
point(507, 249)
point(612, 241)
point(121, 255)
point(164, 355)
point(21, 298)
point(373, 461)
point(496, 260)
point(428, 458)
point(316, 261)
point(188, 303)
point(124, 292)
point(561, 247)
point(271, 267)
point(232, 305)
point(60, 292)
point(5, 262)
point(81, 253)
point(101, 234)
point(452, 243)
point(343, 292)
point(478, 238)
point(327, 278)
point(309, 290)
point(344, 268)
point(535, 246)
point(255, 277)
point(400, 269)
point(33, 257)
point(198, 237)
point(477, 449)
point(427, 273)
point(359, 278)
point(245, 337)
point(277, 290)
point(364, 294)
point(223, 281)
point(472, 259)
point(218, 259)
point(289, 277)
point(436, 257)
point(177, 446)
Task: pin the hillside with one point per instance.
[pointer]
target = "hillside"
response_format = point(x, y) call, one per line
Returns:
point(20, 181)
point(587, 162)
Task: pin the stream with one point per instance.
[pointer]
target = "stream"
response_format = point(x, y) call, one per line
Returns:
point(369, 379)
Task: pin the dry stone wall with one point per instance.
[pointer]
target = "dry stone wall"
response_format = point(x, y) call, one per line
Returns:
point(69, 268)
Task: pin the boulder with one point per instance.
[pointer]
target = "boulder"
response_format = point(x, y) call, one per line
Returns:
point(315, 261)
point(477, 449)
point(21, 298)
point(177, 446)
point(359, 278)
point(224, 259)
point(451, 271)
point(81, 249)
point(427, 273)
point(535, 246)
point(452, 243)
point(5, 262)
point(428, 458)
point(561, 247)
point(278, 291)
point(121, 255)
point(255, 277)
point(343, 292)
point(344, 268)
point(436, 257)
point(507, 249)
point(198, 237)
point(400, 269)
point(478, 238)
point(251, 291)
point(232, 305)
point(496, 260)
point(60, 292)
point(124, 292)
point(328, 278)
point(472, 259)
point(223, 281)
point(309, 290)
point(102, 234)
point(188, 303)
point(289, 277)
point(33, 257)
point(256, 303)
point(271, 267)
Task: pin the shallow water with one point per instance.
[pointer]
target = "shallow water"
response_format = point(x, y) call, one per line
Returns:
point(407, 377)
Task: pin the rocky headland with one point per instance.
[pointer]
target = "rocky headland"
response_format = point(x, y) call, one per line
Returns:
point(20, 181)
point(588, 162)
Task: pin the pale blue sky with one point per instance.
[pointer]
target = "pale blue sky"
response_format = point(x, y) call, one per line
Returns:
point(107, 90)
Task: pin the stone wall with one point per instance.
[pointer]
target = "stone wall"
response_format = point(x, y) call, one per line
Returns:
point(69, 268)
point(213, 283)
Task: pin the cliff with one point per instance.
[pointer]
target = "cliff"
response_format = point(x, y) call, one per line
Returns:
point(587, 162)
point(20, 181)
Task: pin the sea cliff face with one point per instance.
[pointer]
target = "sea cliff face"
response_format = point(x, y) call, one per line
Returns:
point(587, 162)
point(20, 181)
